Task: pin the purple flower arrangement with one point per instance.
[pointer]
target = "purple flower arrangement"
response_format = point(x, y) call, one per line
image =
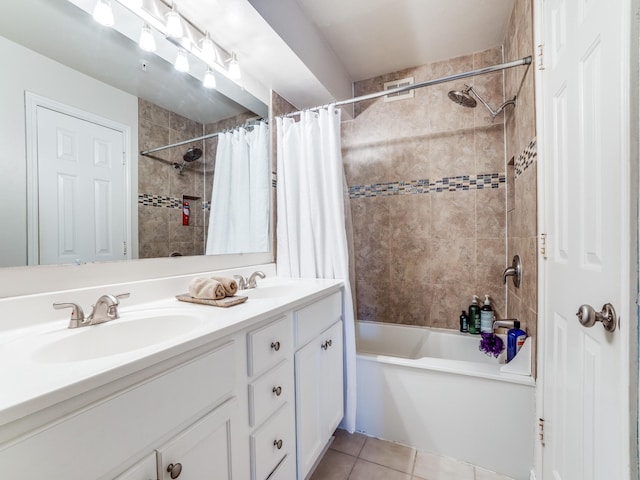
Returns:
point(491, 344)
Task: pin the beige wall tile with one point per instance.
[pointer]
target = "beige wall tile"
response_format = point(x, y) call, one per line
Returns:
point(453, 215)
point(491, 213)
point(489, 149)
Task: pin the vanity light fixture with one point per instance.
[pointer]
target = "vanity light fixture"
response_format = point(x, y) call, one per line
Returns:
point(147, 42)
point(103, 13)
point(208, 49)
point(209, 80)
point(234, 68)
point(174, 23)
point(182, 62)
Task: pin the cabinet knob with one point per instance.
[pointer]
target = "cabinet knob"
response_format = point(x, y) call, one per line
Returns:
point(275, 346)
point(277, 444)
point(174, 470)
point(277, 390)
point(324, 346)
point(329, 342)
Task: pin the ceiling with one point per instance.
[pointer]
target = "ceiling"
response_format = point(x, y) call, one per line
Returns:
point(373, 37)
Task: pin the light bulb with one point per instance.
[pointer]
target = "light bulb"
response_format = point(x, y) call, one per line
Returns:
point(209, 80)
point(147, 42)
point(234, 68)
point(103, 14)
point(174, 25)
point(182, 62)
point(208, 49)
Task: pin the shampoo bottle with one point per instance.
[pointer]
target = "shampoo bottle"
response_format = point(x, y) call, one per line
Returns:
point(515, 340)
point(464, 322)
point(474, 316)
point(486, 316)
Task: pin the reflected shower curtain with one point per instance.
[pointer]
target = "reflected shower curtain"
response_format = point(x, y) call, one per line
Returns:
point(239, 219)
point(311, 232)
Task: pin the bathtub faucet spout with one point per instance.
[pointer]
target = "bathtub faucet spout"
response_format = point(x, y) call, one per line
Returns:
point(508, 323)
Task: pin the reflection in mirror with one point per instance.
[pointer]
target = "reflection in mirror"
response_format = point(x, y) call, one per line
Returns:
point(57, 52)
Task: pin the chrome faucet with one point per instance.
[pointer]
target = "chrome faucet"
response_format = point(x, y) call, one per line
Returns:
point(515, 271)
point(104, 310)
point(245, 283)
point(251, 282)
point(242, 283)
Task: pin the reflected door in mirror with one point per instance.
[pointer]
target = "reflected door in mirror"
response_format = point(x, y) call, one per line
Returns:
point(81, 188)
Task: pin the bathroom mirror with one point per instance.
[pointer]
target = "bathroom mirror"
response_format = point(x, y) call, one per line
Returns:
point(55, 50)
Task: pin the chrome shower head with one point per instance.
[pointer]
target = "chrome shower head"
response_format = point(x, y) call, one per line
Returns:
point(463, 97)
point(192, 155)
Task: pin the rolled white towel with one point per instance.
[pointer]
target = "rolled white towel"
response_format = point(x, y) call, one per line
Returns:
point(206, 288)
point(229, 284)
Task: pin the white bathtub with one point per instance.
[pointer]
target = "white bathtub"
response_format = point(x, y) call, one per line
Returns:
point(434, 390)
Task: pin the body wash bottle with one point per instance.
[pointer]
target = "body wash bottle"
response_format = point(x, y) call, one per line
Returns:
point(486, 316)
point(515, 340)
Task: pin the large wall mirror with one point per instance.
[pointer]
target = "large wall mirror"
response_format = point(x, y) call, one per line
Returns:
point(74, 89)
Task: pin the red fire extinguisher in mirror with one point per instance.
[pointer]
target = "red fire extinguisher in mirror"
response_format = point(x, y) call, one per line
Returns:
point(185, 213)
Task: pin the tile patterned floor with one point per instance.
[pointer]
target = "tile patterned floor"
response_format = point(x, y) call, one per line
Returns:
point(358, 457)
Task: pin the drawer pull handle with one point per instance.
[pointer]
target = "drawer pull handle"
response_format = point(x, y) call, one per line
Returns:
point(174, 470)
point(277, 444)
point(275, 346)
point(277, 390)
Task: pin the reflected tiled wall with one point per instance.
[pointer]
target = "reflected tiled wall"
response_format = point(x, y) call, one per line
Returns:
point(520, 130)
point(161, 189)
point(427, 181)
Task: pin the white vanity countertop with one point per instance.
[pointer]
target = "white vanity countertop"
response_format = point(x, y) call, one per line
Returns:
point(32, 380)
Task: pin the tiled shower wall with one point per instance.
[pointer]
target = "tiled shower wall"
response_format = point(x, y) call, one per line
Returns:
point(161, 188)
point(520, 132)
point(428, 197)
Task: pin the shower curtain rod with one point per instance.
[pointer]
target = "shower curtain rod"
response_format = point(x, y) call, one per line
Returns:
point(406, 88)
point(246, 124)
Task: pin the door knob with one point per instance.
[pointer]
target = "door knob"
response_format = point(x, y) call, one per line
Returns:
point(588, 316)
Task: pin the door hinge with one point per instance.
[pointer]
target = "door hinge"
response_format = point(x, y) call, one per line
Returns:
point(541, 430)
point(543, 245)
point(124, 248)
point(540, 57)
point(124, 158)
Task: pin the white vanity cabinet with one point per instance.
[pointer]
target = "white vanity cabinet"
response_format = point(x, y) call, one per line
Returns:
point(318, 377)
point(98, 442)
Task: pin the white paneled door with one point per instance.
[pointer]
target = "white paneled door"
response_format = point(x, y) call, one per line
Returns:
point(586, 186)
point(81, 190)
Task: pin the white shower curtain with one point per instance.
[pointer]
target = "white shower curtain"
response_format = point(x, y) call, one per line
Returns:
point(239, 219)
point(311, 233)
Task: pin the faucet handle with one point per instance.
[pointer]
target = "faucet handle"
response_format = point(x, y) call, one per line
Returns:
point(77, 314)
point(122, 295)
point(242, 283)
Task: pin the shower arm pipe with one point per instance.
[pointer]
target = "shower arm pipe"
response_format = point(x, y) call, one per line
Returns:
point(406, 88)
point(247, 124)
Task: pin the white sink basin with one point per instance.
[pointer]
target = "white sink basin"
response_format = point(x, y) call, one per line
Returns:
point(117, 336)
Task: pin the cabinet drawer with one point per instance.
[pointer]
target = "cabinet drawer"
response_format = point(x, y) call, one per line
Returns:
point(268, 345)
point(269, 392)
point(286, 470)
point(143, 470)
point(317, 317)
point(276, 432)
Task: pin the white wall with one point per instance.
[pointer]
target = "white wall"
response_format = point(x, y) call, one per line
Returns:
point(26, 70)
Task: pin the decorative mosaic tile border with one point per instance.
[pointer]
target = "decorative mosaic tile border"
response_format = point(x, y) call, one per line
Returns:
point(413, 187)
point(526, 158)
point(150, 200)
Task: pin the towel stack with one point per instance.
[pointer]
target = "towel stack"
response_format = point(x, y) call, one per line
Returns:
point(214, 288)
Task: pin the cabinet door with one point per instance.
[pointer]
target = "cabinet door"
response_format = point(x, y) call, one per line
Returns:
point(331, 384)
point(143, 470)
point(308, 397)
point(203, 450)
point(319, 395)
